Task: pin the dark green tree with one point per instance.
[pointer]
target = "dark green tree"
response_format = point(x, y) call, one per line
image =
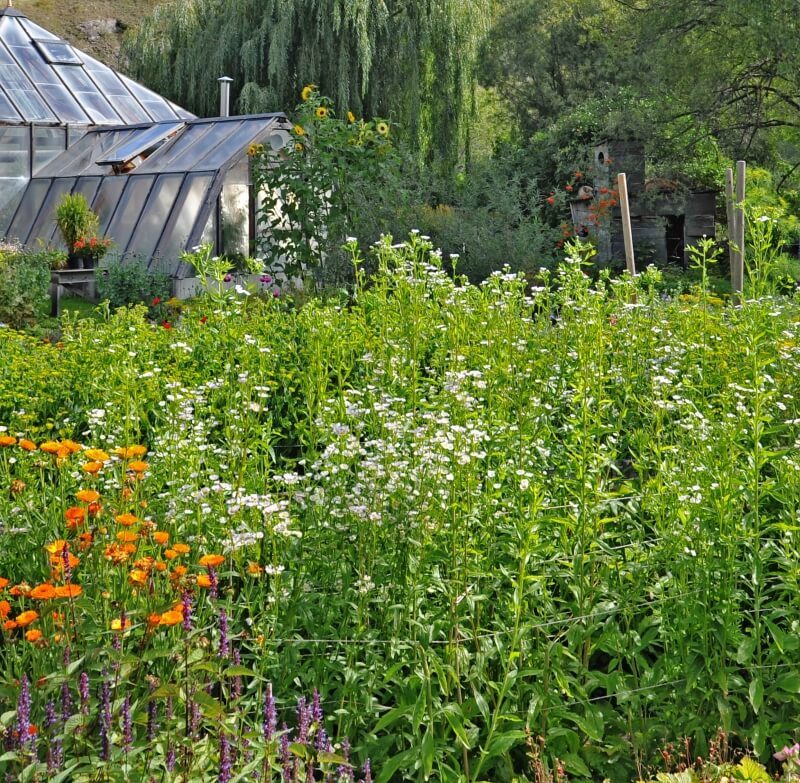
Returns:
point(409, 60)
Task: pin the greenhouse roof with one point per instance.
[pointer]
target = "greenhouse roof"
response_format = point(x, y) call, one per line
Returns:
point(43, 79)
point(154, 187)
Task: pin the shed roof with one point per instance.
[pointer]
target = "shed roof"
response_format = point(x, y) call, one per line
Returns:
point(43, 79)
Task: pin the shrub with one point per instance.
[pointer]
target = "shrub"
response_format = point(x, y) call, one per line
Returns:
point(25, 276)
point(129, 282)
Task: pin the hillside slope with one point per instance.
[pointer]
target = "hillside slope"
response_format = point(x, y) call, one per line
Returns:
point(95, 26)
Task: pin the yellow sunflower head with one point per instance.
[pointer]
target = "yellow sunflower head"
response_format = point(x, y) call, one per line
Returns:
point(307, 91)
point(299, 130)
point(321, 112)
point(382, 128)
point(351, 117)
point(298, 147)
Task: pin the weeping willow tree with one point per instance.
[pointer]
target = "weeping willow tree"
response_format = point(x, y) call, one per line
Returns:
point(410, 60)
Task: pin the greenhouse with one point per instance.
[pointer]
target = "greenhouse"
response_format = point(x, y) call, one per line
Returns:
point(158, 189)
point(50, 94)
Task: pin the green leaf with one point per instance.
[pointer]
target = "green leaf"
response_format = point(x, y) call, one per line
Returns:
point(210, 706)
point(427, 752)
point(400, 761)
point(575, 765)
point(749, 769)
point(453, 715)
point(789, 682)
point(756, 694)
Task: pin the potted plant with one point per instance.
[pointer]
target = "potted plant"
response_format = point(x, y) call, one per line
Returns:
point(87, 251)
point(78, 226)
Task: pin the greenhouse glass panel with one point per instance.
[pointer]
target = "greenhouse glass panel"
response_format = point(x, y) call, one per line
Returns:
point(234, 144)
point(127, 213)
point(170, 156)
point(58, 52)
point(37, 32)
point(11, 191)
point(184, 216)
point(29, 206)
point(12, 32)
point(156, 212)
point(129, 109)
point(7, 110)
point(48, 143)
point(235, 210)
point(139, 143)
point(14, 151)
point(106, 200)
point(45, 220)
point(63, 103)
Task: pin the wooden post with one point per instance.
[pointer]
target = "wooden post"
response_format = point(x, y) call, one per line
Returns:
point(55, 295)
point(627, 232)
point(731, 215)
point(738, 281)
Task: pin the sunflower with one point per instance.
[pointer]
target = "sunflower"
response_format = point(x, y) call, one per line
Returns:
point(307, 91)
point(298, 147)
point(351, 117)
point(321, 112)
point(299, 130)
point(382, 128)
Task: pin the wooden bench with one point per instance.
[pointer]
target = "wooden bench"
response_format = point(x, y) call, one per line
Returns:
point(80, 280)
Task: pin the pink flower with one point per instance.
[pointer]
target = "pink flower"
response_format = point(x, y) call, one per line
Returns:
point(787, 752)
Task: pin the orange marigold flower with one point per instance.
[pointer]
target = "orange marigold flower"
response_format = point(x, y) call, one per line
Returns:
point(116, 554)
point(87, 495)
point(22, 589)
point(137, 466)
point(161, 537)
point(145, 563)
point(211, 561)
point(181, 549)
point(127, 452)
point(56, 547)
point(126, 520)
point(153, 620)
point(68, 591)
point(86, 540)
point(71, 446)
point(33, 635)
point(43, 592)
point(92, 467)
point(75, 516)
point(170, 554)
point(171, 617)
point(120, 624)
point(94, 509)
point(178, 573)
point(204, 580)
point(50, 447)
point(96, 455)
point(26, 618)
point(57, 562)
point(127, 536)
point(7, 440)
point(9, 625)
point(138, 576)
point(159, 566)
point(5, 609)
point(3, 582)
point(253, 568)
point(27, 445)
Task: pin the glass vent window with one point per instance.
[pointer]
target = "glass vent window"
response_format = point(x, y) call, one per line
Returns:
point(58, 53)
point(142, 142)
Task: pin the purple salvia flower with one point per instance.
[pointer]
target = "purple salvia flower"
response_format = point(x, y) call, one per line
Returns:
point(83, 691)
point(310, 771)
point(303, 720)
point(105, 719)
point(224, 644)
point(321, 740)
point(66, 658)
point(66, 701)
point(127, 725)
point(225, 764)
point(367, 770)
point(186, 601)
point(170, 758)
point(270, 715)
point(54, 753)
point(285, 756)
point(152, 715)
point(50, 718)
point(24, 714)
point(212, 578)
point(345, 771)
point(194, 717)
point(316, 707)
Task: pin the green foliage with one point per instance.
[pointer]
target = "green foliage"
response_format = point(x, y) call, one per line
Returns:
point(24, 283)
point(323, 188)
point(75, 219)
point(408, 61)
point(129, 282)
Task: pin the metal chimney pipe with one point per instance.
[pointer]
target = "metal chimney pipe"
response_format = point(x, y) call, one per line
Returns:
point(224, 96)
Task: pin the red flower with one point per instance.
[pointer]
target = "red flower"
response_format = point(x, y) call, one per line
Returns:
point(203, 319)
point(568, 188)
point(166, 325)
point(578, 174)
point(551, 200)
point(156, 301)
